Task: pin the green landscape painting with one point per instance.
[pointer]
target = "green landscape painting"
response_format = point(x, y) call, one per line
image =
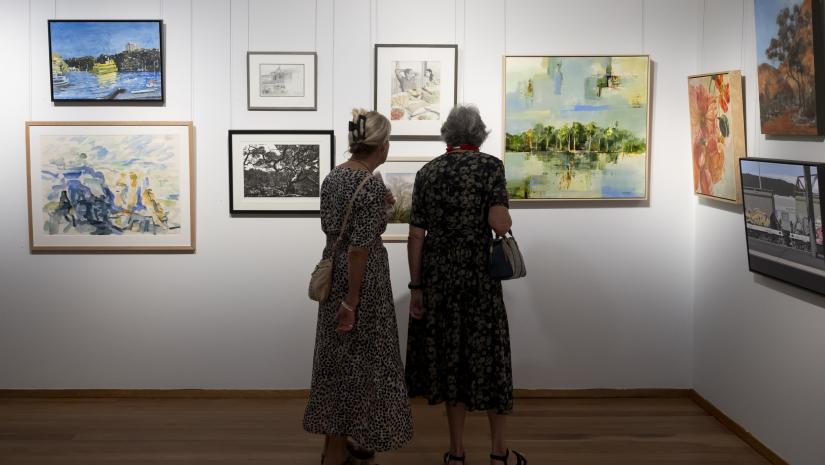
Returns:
point(576, 127)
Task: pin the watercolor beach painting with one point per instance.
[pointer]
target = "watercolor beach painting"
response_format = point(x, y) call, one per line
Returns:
point(717, 130)
point(106, 60)
point(787, 61)
point(110, 186)
point(576, 127)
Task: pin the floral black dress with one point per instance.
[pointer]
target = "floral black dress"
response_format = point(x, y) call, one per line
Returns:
point(357, 378)
point(460, 351)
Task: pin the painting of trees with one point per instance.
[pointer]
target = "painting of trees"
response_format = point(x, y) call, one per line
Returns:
point(281, 170)
point(786, 71)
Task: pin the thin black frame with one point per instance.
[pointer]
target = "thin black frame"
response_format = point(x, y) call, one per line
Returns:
point(775, 270)
point(314, 106)
point(113, 102)
point(232, 132)
point(375, 80)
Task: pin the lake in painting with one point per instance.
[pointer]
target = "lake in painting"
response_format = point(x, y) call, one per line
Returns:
point(106, 60)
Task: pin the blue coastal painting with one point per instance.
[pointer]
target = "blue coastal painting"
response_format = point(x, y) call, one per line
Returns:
point(576, 127)
point(114, 186)
point(106, 60)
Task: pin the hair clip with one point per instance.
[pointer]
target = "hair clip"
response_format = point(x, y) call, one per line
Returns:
point(359, 128)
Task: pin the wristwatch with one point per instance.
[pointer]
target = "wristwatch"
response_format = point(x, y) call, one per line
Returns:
point(414, 287)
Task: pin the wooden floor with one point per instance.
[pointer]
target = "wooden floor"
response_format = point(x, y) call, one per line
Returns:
point(268, 431)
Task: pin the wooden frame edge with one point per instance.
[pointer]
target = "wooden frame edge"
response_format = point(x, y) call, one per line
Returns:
point(737, 429)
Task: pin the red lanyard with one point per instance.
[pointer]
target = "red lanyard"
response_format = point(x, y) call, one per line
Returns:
point(453, 148)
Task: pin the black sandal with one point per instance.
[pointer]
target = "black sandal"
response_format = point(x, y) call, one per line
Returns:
point(452, 458)
point(520, 460)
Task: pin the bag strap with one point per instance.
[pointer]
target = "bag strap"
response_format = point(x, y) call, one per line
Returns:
point(347, 215)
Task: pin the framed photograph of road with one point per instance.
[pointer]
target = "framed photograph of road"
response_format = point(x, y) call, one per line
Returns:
point(278, 171)
point(783, 220)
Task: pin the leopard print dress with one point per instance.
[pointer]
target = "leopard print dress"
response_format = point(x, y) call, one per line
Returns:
point(358, 387)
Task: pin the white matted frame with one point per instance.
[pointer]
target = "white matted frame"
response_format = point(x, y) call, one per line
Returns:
point(387, 102)
point(133, 191)
point(398, 174)
point(282, 81)
point(239, 203)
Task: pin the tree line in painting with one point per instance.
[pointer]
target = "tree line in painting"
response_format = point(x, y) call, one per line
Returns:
point(576, 137)
point(135, 60)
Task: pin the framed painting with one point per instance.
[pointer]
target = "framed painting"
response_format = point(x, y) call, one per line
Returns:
point(278, 171)
point(111, 186)
point(577, 127)
point(415, 87)
point(783, 220)
point(788, 54)
point(106, 61)
point(282, 80)
point(717, 131)
point(398, 175)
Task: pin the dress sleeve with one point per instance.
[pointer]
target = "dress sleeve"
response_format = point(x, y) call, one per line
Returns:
point(498, 185)
point(419, 208)
point(367, 214)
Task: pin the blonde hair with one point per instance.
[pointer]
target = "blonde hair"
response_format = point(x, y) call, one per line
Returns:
point(365, 137)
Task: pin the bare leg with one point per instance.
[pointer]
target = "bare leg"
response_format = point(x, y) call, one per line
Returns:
point(336, 450)
point(455, 418)
point(498, 446)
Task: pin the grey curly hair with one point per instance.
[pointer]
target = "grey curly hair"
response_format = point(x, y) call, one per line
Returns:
point(464, 126)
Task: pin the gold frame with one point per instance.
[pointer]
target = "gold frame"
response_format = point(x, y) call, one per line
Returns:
point(741, 110)
point(648, 109)
point(192, 191)
point(394, 159)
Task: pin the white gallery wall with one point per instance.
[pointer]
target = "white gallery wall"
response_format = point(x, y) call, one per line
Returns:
point(608, 299)
point(758, 342)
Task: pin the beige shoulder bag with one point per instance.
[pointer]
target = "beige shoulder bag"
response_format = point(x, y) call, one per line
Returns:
point(320, 282)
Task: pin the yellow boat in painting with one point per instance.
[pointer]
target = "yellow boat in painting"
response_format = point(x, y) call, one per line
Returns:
point(105, 68)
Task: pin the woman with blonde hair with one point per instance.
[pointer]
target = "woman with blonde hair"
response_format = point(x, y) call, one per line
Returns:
point(358, 388)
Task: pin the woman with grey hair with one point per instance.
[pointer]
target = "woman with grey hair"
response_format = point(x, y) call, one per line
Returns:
point(458, 349)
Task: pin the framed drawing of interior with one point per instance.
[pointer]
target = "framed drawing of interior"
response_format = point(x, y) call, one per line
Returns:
point(398, 175)
point(110, 186)
point(577, 127)
point(783, 220)
point(789, 55)
point(106, 60)
point(278, 171)
point(717, 131)
point(415, 87)
point(282, 80)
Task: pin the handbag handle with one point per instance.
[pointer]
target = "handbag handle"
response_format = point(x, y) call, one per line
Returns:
point(349, 212)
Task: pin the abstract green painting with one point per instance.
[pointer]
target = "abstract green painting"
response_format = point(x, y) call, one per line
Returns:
point(576, 127)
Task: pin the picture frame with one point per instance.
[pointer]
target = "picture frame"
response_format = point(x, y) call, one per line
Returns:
point(562, 174)
point(130, 73)
point(278, 171)
point(783, 220)
point(415, 87)
point(790, 63)
point(122, 186)
point(717, 128)
point(398, 175)
point(282, 81)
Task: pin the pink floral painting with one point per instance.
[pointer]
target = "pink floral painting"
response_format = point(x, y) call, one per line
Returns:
point(717, 126)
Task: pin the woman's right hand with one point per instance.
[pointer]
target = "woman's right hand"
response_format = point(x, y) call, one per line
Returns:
point(345, 318)
point(416, 304)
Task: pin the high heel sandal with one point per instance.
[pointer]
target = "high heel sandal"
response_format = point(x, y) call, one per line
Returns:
point(448, 457)
point(520, 460)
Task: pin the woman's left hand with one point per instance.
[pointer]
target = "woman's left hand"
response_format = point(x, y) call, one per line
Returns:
point(416, 304)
